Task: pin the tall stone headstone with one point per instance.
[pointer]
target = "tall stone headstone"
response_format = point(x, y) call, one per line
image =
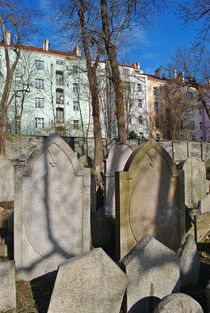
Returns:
point(52, 209)
point(117, 157)
point(90, 283)
point(7, 286)
point(147, 199)
point(153, 272)
point(178, 303)
point(195, 182)
point(6, 180)
point(180, 150)
point(195, 149)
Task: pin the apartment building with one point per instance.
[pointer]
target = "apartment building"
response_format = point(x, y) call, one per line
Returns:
point(175, 111)
point(50, 90)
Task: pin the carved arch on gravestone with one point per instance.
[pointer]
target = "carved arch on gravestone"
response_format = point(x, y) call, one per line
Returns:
point(148, 198)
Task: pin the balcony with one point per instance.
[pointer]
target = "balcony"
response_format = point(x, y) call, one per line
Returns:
point(59, 79)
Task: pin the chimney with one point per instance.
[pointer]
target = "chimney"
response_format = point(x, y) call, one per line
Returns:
point(180, 76)
point(77, 51)
point(175, 74)
point(158, 72)
point(46, 45)
point(8, 38)
point(136, 66)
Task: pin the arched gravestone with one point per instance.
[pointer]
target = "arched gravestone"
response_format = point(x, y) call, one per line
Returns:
point(6, 180)
point(147, 199)
point(117, 157)
point(195, 182)
point(52, 209)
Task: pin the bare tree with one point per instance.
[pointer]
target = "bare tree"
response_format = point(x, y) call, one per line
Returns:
point(16, 20)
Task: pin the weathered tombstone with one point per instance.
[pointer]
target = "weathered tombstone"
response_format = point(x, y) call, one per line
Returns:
point(180, 150)
point(204, 204)
point(195, 149)
point(90, 283)
point(189, 261)
point(153, 272)
point(195, 182)
point(7, 286)
point(117, 157)
point(6, 180)
point(147, 199)
point(178, 303)
point(52, 209)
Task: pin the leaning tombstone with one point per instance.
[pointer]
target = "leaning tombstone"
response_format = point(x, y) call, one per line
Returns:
point(153, 272)
point(189, 262)
point(7, 286)
point(52, 209)
point(178, 303)
point(90, 283)
point(147, 199)
point(117, 157)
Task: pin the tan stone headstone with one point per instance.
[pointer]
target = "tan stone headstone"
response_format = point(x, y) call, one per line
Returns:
point(147, 199)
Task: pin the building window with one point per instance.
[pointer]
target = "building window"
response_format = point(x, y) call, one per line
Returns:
point(17, 80)
point(39, 122)
point(76, 124)
point(59, 62)
point(59, 96)
point(39, 103)
point(75, 87)
point(155, 91)
point(190, 113)
point(193, 137)
point(126, 71)
point(200, 110)
point(139, 87)
point(201, 125)
point(59, 115)
point(192, 125)
point(59, 78)
point(39, 83)
point(127, 86)
point(156, 106)
point(17, 100)
point(76, 105)
point(39, 64)
point(157, 122)
point(141, 120)
point(75, 69)
point(140, 103)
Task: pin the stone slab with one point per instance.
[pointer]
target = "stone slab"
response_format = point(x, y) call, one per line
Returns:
point(90, 283)
point(153, 272)
point(205, 204)
point(52, 209)
point(6, 180)
point(178, 303)
point(147, 199)
point(7, 286)
point(180, 150)
point(195, 182)
point(117, 157)
point(195, 149)
point(189, 261)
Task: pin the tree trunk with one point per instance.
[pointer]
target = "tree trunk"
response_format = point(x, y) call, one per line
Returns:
point(116, 79)
point(3, 131)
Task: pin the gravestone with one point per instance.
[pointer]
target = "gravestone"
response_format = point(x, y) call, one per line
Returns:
point(204, 204)
point(180, 150)
point(117, 157)
point(7, 286)
point(6, 180)
point(153, 272)
point(178, 303)
point(147, 199)
point(195, 182)
point(52, 209)
point(195, 149)
point(189, 261)
point(90, 283)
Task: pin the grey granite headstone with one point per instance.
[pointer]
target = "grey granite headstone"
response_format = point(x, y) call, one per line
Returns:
point(52, 209)
point(117, 157)
point(195, 182)
point(7, 286)
point(153, 272)
point(180, 150)
point(178, 303)
point(189, 261)
point(90, 283)
point(6, 180)
point(147, 199)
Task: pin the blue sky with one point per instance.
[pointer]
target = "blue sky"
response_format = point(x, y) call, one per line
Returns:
point(152, 46)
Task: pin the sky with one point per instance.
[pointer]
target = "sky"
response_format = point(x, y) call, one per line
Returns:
point(152, 47)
